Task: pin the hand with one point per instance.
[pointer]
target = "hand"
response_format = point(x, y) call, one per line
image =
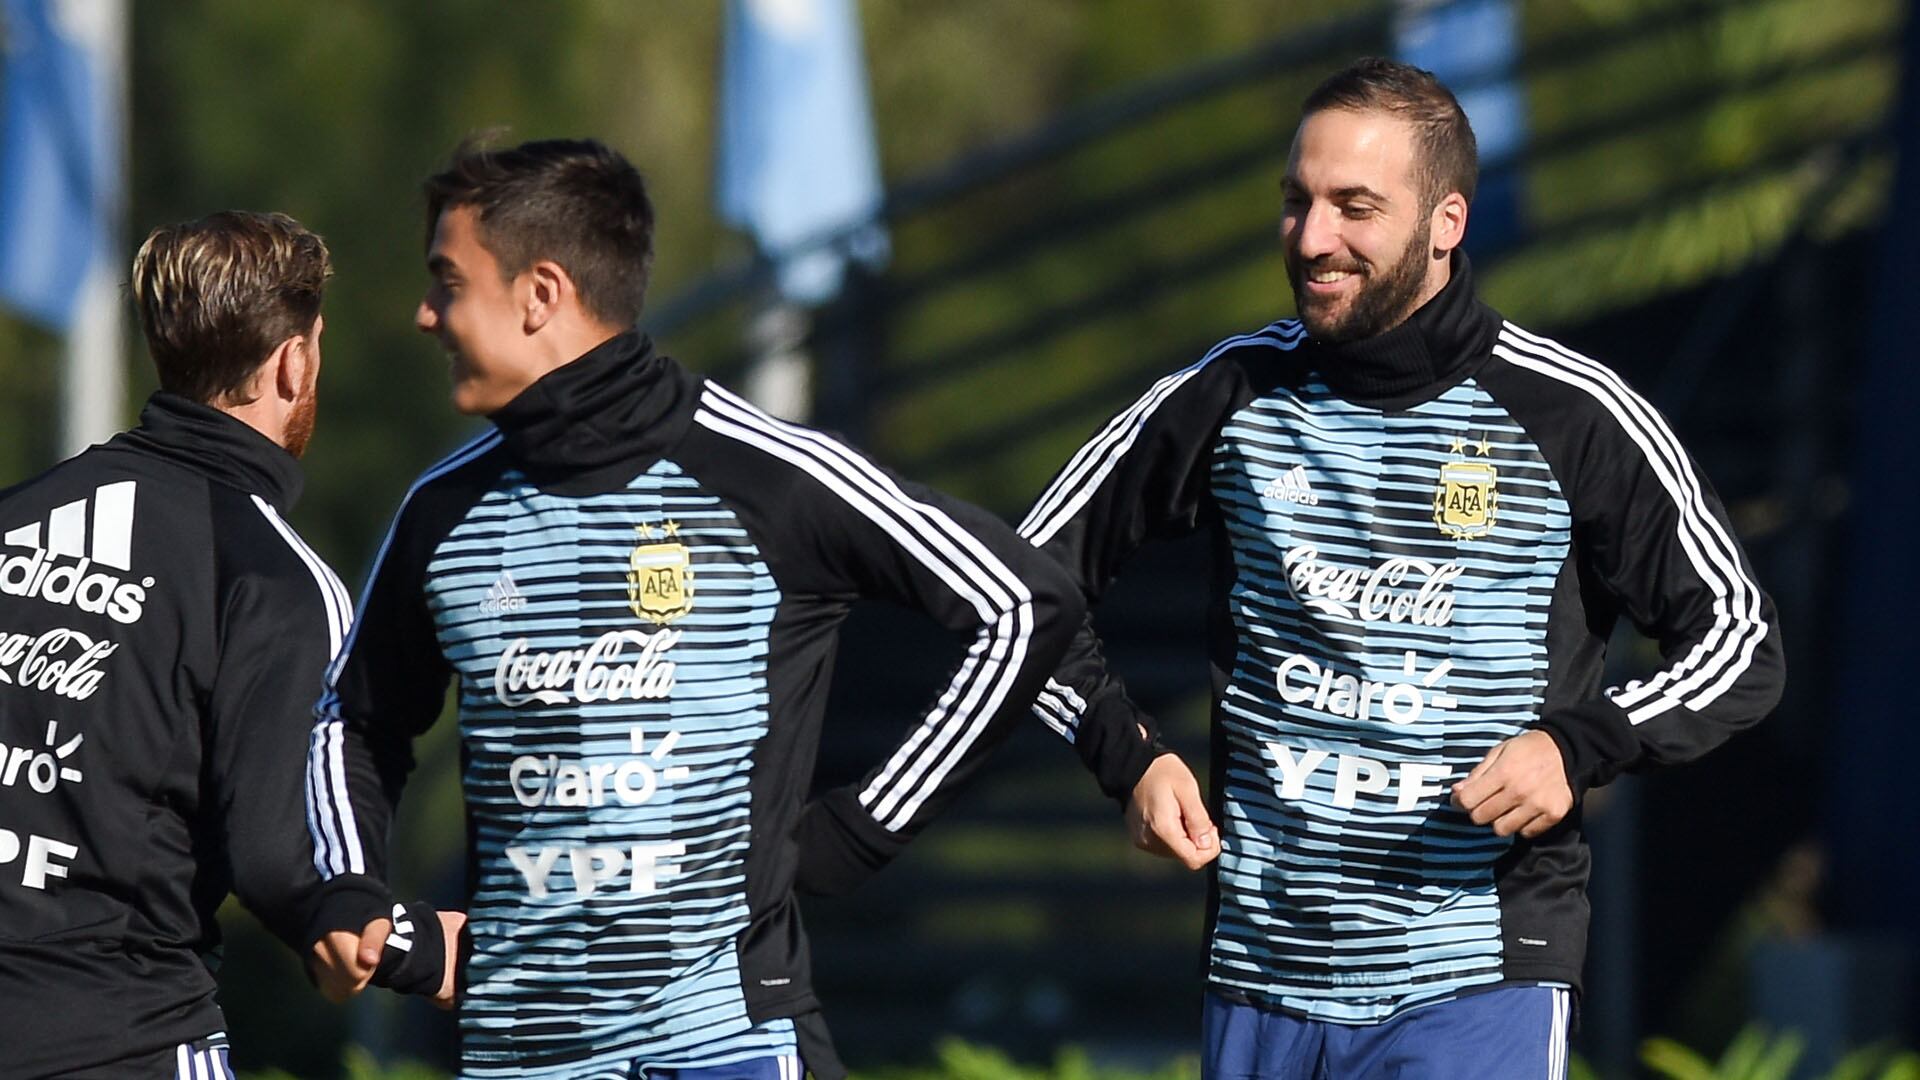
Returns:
point(1519, 787)
point(1167, 817)
point(343, 961)
point(453, 926)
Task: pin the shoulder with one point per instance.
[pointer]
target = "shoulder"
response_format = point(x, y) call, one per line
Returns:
point(270, 577)
point(1545, 372)
point(745, 447)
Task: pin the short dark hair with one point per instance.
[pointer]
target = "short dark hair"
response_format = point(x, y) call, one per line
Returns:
point(216, 296)
point(574, 201)
point(1449, 158)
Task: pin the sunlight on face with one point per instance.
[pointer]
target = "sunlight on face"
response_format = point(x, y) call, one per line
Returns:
point(1356, 231)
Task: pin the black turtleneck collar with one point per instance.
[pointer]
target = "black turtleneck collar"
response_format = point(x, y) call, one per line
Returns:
point(217, 445)
point(619, 405)
point(1440, 344)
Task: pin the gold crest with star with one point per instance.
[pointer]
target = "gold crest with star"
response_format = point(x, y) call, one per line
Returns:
point(1468, 496)
point(660, 575)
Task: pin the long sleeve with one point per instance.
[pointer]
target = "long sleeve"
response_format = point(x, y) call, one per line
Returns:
point(1654, 538)
point(385, 688)
point(860, 532)
point(1143, 476)
point(278, 635)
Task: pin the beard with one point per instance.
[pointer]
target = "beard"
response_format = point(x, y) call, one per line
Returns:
point(301, 420)
point(1383, 301)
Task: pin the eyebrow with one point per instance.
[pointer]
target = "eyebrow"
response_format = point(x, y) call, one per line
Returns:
point(439, 265)
point(1359, 191)
point(1343, 194)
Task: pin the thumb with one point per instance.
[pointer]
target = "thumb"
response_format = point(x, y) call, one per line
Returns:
point(1193, 811)
point(373, 941)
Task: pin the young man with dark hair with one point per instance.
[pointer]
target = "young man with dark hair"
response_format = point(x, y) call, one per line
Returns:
point(1431, 520)
point(635, 578)
point(162, 633)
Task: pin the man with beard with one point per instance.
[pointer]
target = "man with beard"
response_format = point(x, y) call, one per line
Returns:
point(636, 578)
point(1430, 520)
point(162, 634)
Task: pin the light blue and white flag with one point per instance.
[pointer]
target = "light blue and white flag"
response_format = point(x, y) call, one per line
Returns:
point(1474, 47)
point(797, 159)
point(60, 150)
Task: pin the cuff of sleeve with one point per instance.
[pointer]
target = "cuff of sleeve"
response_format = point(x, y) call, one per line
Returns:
point(1596, 742)
point(1117, 746)
point(415, 958)
point(348, 902)
point(840, 845)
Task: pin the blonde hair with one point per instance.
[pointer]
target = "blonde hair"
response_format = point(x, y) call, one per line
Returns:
point(216, 296)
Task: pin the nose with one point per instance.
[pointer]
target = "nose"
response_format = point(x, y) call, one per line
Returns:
point(1317, 232)
point(425, 319)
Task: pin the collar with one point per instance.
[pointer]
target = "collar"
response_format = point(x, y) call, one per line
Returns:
point(216, 445)
point(1440, 344)
point(620, 403)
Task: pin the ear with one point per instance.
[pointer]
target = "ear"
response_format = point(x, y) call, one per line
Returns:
point(549, 290)
point(289, 366)
point(1449, 223)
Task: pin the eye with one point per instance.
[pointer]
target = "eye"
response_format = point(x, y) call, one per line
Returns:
point(1356, 212)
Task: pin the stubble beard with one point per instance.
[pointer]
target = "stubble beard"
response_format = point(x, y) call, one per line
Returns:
point(1382, 303)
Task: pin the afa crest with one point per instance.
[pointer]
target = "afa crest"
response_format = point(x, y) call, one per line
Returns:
point(1468, 497)
point(660, 576)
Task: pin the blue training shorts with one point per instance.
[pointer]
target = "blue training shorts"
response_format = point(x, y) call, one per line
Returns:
point(1513, 1033)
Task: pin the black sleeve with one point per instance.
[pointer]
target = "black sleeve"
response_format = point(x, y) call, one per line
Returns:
point(969, 572)
point(1141, 477)
point(1654, 535)
point(384, 690)
point(277, 635)
point(856, 530)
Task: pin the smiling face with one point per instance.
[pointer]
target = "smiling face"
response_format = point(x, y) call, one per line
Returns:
point(478, 315)
point(1364, 248)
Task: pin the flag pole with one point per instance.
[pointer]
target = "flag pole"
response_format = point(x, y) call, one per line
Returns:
point(93, 383)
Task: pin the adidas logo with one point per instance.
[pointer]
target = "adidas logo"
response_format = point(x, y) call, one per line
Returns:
point(502, 596)
point(102, 537)
point(401, 937)
point(1291, 486)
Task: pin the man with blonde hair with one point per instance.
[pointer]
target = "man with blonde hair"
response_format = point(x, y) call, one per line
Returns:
point(162, 634)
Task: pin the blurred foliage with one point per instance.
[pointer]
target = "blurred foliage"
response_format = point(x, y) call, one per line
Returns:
point(954, 1059)
point(1758, 1054)
point(1754, 1055)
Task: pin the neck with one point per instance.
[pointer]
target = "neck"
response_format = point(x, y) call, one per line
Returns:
point(260, 415)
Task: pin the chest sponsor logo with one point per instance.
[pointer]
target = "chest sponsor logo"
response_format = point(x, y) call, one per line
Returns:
point(39, 769)
point(548, 780)
point(1291, 486)
point(1302, 680)
point(1411, 783)
point(95, 533)
point(660, 576)
point(622, 665)
point(1468, 495)
point(503, 596)
point(1399, 590)
point(60, 661)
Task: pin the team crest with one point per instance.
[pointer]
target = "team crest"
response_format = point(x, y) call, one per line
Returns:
point(1468, 496)
point(660, 576)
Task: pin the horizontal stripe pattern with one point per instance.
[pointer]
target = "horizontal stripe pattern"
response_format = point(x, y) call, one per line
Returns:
point(608, 722)
point(1379, 658)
